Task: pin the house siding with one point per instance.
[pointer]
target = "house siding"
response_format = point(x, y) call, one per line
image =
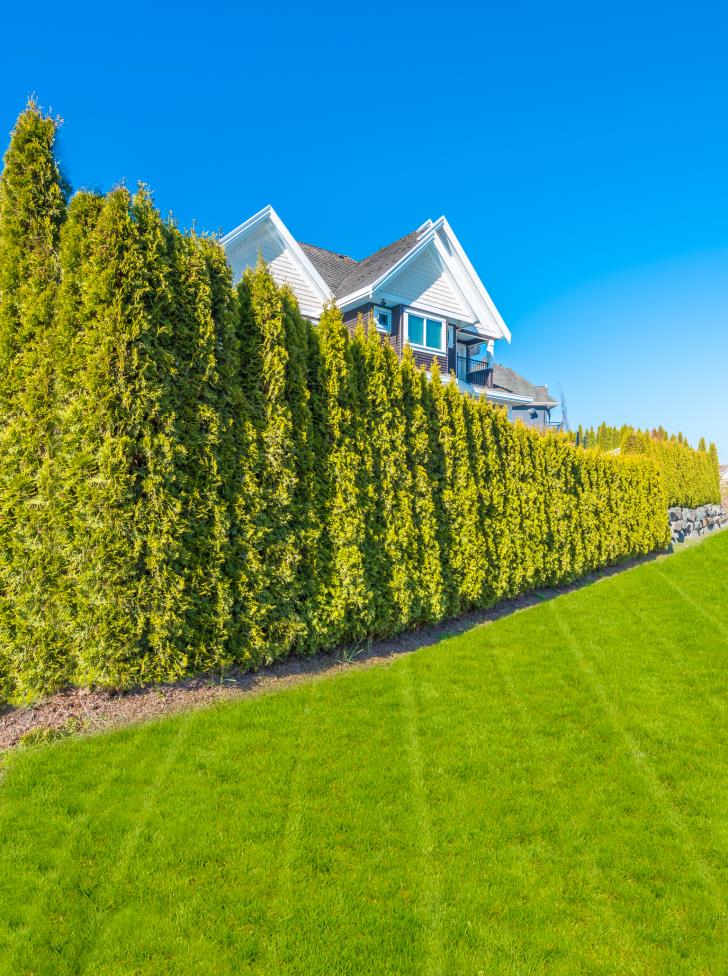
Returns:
point(284, 270)
point(424, 284)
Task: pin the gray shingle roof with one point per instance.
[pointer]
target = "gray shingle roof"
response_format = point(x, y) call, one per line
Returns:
point(344, 275)
point(366, 271)
point(332, 267)
point(512, 382)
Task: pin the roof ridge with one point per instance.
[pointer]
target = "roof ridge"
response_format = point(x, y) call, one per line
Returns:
point(328, 250)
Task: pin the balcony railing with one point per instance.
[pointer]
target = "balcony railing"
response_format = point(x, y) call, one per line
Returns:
point(477, 374)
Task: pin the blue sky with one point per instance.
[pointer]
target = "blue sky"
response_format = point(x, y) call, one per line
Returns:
point(579, 151)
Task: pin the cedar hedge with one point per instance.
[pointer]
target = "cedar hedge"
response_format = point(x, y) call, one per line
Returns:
point(195, 476)
point(692, 477)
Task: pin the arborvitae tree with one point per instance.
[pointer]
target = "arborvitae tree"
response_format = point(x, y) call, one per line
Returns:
point(633, 443)
point(441, 473)
point(715, 464)
point(393, 479)
point(372, 409)
point(316, 483)
point(702, 446)
point(490, 492)
point(121, 438)
point(350, 603)
point(265, 367)
point(238, 490)
point(32, 210)
point(71, 465)
point(460, 497)
point(198, 332)
point(308, 499)
point(426, 562)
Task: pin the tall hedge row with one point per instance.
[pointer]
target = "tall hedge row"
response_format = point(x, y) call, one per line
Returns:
point(194, 475)
point(692, 476)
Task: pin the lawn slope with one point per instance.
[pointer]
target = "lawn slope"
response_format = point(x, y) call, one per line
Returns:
point(546, 794)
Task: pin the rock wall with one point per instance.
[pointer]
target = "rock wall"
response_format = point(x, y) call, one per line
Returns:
point(692, 523)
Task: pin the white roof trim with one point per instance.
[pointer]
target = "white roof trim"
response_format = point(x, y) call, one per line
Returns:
point(475, 279)
point(297, 253)
point(506, 396)
point(468, 286)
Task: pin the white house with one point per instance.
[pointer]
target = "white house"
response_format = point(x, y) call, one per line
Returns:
point(421, 291)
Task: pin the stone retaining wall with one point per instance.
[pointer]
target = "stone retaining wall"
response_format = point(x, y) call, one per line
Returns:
point(692, 523)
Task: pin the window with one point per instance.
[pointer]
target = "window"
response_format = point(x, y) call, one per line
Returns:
point(425, 333)
point(383, 319)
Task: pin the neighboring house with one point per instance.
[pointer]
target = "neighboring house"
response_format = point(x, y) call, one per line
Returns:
point(421, 291)
point(536, 404)
point(724, 475)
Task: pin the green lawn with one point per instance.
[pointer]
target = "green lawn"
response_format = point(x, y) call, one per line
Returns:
point(548, 794)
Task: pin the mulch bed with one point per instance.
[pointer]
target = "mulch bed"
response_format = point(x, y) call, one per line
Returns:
point(90, 710)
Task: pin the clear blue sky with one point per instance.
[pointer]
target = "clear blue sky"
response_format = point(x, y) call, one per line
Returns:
point(580, 152)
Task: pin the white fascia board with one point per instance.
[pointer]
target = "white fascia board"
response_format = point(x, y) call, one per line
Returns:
point(304, 263)
point(473, 275)
point(469, 297)
point(246, 225)
point(355, 298)
point(491, 323)
point(507, 397)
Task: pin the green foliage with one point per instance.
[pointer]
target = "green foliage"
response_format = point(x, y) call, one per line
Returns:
point(692, 477)
point(32, 211)
point(195, 475)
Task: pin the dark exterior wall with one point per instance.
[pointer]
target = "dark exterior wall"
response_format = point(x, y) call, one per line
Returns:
point(351, 317)
point(425, 359)
point(524, 414)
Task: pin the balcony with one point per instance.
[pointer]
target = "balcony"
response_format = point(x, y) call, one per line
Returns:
point(475, 373)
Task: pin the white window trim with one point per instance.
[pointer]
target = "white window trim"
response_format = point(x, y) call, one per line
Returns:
point(442, 349)
point(384, 311)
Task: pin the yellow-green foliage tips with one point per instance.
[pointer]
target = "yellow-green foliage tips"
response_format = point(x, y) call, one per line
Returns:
point(692, 477)
point(195, 475)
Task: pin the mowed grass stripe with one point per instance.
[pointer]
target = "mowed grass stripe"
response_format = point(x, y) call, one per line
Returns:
point(543, 795)
point(655, 785)
point(428, 881)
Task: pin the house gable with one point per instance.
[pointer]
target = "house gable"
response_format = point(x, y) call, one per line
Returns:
point(425, 283)
point(265, 234)
point(457, 276)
